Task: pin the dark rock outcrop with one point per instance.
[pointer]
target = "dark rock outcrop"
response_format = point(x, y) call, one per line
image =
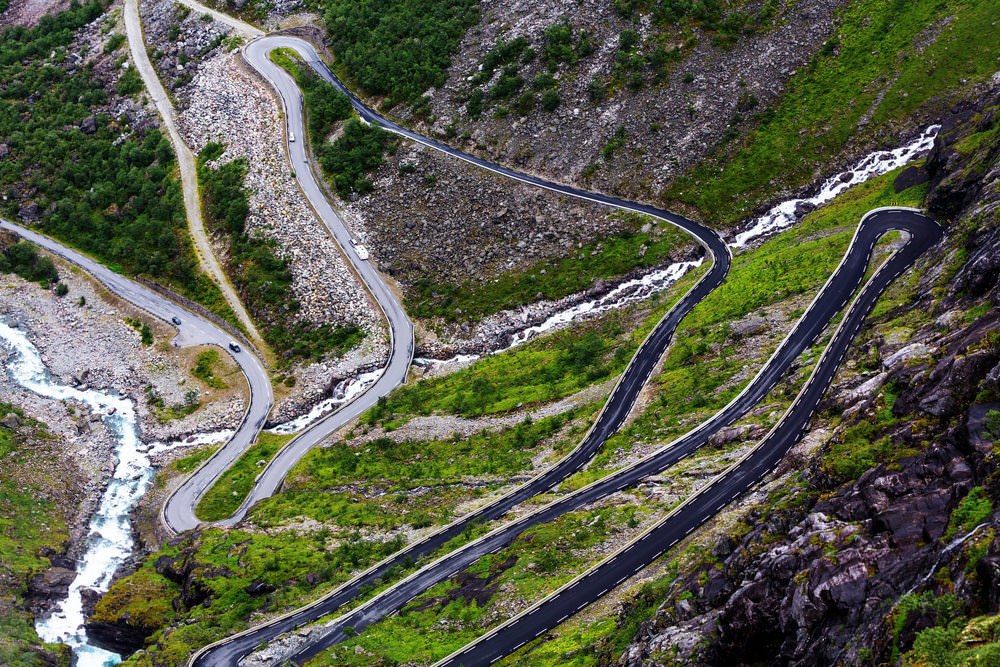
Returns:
point(817, 582)
point(118, 637)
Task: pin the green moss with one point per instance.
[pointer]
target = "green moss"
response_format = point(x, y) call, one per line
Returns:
point(974, 508)
point(146, 604)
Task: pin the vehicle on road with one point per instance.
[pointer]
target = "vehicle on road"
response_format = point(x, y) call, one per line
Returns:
point(360, 249)
point(291, 136)
point(233, 346)
point(175, 319)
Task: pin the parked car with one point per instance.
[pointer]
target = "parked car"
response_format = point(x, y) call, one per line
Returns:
point(233, 346)
point(175, 320)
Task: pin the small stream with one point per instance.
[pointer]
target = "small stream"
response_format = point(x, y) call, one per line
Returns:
point(109, 542)
point(344, 392)
point(630, 291)
point(788, 212)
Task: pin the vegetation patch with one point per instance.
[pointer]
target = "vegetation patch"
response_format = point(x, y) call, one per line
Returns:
point(33, 502)
point(228, 492)
point(385, 483)
point(23, 259)
point(542, 370)
point(397, 48)
point(877, 41)
point(83, 175)
point(205, 365)
point(974, 509)
point(261, 276)
point(357, 151)
point(220, 578)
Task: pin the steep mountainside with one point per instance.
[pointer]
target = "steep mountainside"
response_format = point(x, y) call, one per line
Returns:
point(884, 548)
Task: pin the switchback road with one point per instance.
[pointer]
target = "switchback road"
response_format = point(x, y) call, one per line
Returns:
point(831, 300)
point(193, 330)
point(754, 466)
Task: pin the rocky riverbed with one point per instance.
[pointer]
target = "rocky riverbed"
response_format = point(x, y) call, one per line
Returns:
point(86, 342)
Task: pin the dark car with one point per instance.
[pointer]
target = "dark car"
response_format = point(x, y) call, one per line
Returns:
point(234, 347)
point(175, 319)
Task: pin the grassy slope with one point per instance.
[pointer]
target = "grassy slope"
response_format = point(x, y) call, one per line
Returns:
point(608, 259)
point(31, 521)
point(225, 495)
point(329, 487)
point(875, 67)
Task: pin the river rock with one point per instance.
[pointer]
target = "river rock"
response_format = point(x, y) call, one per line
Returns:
point(50, 584)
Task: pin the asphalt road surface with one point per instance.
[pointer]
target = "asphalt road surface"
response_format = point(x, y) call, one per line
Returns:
point(830, 301)
point(193, 330)
point(584, 590)
point(607, 423)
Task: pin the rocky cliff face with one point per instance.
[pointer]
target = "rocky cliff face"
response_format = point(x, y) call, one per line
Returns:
point(889, 531)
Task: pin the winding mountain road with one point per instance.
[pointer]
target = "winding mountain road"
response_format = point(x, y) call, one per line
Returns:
point(178, 511)
point(193, 330)
point(827, 304)
point(749, 470)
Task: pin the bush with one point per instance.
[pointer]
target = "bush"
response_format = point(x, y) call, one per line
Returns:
point(550, 100)
point(24, 259)
point(114, 43)
point(117, 197)
point(130, 82)
point(358, 151)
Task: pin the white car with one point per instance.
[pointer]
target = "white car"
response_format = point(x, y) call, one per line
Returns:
point(360, 249)
point(291, 136)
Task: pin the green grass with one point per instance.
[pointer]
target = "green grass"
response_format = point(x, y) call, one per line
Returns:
point(383, 483)
point(819, 114)
point(191, 462)
point(545, 369)
point(204, 369)
point(31, 522)
point(609, 258)
point(299, 565)
point(225, 496)
point(447, 616)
